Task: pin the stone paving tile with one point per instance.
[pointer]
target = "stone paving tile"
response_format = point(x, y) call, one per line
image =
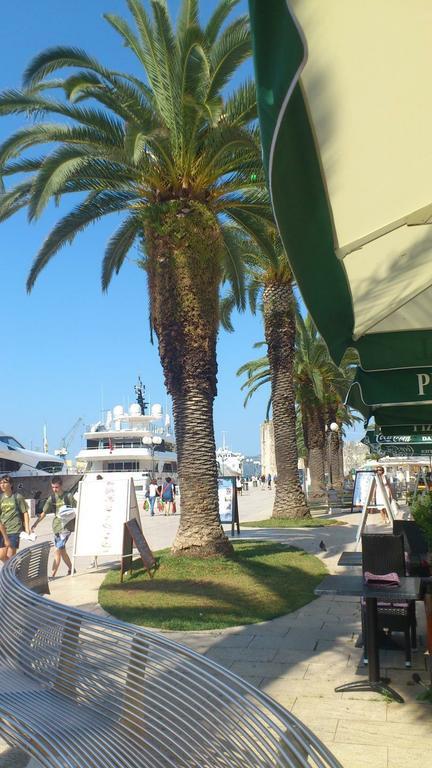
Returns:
point(340, 709)
point(288, 686)
point(246, 655)
point(408, 757)
point(338, 630)
point(268, 669)
point(293, 656)
point(345, 644)
point(336, 671)
point(364, 756)
point(415, 712)
point(361, 695)
point(300, 640)
point(384, 733)
point(323, 727)
point(267, 641)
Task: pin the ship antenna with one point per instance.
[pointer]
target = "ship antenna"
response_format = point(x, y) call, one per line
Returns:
point(140, 396)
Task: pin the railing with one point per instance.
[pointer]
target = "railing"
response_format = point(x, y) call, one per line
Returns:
point(98, 692)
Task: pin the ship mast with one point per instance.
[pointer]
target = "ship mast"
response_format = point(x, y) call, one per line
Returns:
point(140, 396)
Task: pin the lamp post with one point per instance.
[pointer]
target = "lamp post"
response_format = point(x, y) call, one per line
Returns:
point(152, 441)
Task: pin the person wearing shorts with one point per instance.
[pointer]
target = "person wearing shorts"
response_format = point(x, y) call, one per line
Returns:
point(168, 495)
point(14, 519)
point(53, 504)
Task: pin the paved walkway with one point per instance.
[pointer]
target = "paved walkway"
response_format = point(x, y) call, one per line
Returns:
point(300, 658)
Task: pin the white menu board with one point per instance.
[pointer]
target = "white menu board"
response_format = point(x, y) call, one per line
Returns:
point(103, 508)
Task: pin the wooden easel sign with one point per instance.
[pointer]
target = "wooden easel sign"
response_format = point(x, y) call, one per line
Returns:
point(228, 502)
point(133, 535)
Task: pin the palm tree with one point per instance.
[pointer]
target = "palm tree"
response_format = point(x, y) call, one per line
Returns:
point(181, 163)
point(269, 278)
point(321, 390)
point(319, 384)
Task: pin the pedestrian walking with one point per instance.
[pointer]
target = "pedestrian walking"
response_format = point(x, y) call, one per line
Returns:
point(56, 503)
point(269, 481)
point(153, 494)
point(379, 497)
point(14, 519)
point(239, 486)
point(168, 496)
point(262, 482)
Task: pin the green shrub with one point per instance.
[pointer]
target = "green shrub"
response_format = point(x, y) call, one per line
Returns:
point(422, 513)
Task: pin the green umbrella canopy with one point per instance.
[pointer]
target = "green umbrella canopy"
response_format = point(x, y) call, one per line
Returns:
point(346, 119)
point(398, 445)
point(420, 430)
point(393, 397)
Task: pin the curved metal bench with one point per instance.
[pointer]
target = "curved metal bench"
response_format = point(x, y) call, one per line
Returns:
point(79, 690)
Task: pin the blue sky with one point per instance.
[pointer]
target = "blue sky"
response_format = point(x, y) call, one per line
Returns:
point(69, 350)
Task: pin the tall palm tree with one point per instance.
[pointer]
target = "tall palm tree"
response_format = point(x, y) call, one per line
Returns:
point(321, 390)
point(181, 162)
point(269, 279)
point(319, 384)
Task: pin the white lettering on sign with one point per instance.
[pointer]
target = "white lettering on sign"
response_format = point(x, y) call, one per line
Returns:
point(423, 380)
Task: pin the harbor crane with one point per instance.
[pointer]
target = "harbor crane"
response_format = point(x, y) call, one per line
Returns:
point(67, 439)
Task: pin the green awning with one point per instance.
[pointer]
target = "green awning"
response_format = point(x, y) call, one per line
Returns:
point(398, 445)
point(346, 120)
point(408, 429)
point(393, 398)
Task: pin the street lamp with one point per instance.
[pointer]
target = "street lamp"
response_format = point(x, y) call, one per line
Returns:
point(152, 441)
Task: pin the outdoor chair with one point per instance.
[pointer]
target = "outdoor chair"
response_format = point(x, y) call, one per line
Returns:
point(416, 547)
point(78, 690)
point(381, 554)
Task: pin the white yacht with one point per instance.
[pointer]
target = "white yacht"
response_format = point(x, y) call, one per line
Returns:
point(131, 442)
point(32, 470)
point(17, 461)
point(230, 464)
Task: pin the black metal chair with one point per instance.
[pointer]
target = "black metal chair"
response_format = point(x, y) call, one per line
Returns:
point(416, 547)
point(381, 554)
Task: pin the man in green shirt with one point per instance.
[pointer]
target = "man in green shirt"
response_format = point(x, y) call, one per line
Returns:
point(14, 518)
point(55, 503)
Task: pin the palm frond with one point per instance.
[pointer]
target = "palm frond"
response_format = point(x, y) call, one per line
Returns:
point(15, 199)
point(187, 17)
point(241, 107)
point(217, 19)
point(231, 49)
point(118, 248)
point(59, 57)
point(74, 222)
point(226, 307)
point(233, 263)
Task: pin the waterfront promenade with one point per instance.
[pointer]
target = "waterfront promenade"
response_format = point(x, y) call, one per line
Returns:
point(299, 658)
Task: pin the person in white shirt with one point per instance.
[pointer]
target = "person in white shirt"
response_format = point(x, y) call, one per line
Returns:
point(152, 495)
point(379, 498)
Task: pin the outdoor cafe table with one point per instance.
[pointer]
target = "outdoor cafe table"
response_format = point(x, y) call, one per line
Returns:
point(354, 586)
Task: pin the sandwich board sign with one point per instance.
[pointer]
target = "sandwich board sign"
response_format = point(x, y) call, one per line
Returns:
point(228, 504)
point(134, 537)
point(104, 506)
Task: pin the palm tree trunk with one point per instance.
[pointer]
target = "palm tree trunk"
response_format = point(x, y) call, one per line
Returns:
point(313, 426)
point(200, 532)
point(334, 440)
point(184, 245)
point(335, 443)
point(279, 325)
point(341, 461)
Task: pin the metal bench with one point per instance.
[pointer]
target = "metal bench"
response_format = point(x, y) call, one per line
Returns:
point(80, 690)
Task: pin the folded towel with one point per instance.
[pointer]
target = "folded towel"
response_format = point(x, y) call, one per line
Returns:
point(381, 580)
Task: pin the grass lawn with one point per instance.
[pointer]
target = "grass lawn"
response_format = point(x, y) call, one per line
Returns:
point(288, 522)
point(261, 581)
